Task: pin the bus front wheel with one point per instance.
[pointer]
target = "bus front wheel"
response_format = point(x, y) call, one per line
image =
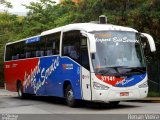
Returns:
point(70, 96)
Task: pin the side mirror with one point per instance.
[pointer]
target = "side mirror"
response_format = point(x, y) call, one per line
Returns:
point(92, 41)
point(150, 40)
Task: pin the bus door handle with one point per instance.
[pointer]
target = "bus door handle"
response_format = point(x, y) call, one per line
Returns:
point(87, 85)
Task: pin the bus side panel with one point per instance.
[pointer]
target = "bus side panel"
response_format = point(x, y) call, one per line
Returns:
point(43, 76)
point(56, 70)
point(16, 70)
point(47, 80)
point(48, 77)
point(71, 72)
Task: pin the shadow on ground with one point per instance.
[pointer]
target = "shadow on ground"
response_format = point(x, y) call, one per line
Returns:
point(81, 104)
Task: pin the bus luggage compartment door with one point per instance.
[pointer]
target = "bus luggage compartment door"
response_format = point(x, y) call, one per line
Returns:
point(86, 86)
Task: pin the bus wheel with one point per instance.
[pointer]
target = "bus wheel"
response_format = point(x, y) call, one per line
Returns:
point(70, 96)
point(20, 91)
point(114, 103)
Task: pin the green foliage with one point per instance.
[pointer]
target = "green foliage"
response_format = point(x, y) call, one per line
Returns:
point(10, 26)
point(153, 94)
point(143, 15)
point(6, 3)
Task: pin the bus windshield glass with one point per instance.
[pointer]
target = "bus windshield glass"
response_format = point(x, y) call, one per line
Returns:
point(117, 49)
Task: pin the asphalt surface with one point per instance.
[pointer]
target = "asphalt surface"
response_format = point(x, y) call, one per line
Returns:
point(11, 104)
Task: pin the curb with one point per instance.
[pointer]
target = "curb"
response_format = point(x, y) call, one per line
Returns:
point(6, 93)
point(148, 100)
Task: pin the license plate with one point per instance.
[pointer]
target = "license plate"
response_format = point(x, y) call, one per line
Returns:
point(124, 93)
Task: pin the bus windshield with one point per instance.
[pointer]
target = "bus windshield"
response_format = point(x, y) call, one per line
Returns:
point(117, 49)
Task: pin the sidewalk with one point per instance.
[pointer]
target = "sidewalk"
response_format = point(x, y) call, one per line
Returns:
point(4, 92)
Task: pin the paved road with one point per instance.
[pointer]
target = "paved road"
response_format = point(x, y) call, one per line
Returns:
point(10, 103)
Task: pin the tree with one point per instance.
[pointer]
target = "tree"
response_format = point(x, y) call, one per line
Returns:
point(10, 27)
point(6, 3)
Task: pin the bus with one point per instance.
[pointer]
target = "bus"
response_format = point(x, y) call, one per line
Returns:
point(81, 61)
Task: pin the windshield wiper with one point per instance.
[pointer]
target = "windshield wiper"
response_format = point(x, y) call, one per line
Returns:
point(103, 72)
point(115, 74)
point(108, 71)
point(137, 69)
point(133, 70)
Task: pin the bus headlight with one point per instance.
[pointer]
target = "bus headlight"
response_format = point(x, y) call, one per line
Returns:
point(98, 86)
point(143, 85)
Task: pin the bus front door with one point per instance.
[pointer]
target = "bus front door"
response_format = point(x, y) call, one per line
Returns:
point(86, 76)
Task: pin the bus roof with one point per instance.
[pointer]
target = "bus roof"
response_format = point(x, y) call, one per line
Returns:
point(87, 27)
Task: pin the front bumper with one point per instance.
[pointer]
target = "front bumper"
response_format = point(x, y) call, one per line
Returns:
point(114, 94)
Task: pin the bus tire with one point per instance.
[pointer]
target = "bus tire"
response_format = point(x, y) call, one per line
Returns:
point(69, 95)
point(20, 90)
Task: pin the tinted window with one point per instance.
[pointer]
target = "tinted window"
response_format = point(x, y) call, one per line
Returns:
point(52, 44)
point(84, 53)
point(75, 47)
point(34, 47)
point(71, 45)
point(15, 51)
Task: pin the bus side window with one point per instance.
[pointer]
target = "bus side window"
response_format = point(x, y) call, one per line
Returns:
point(39, 53)
point(35, 49)
point(71, 45)
point(19, 48)
point(48, 52)
point(52, 44)
point(41, 47)
point(30, 52)
point(84, 53)
point(14, 51)
point(28, 55)
point(8, 53)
